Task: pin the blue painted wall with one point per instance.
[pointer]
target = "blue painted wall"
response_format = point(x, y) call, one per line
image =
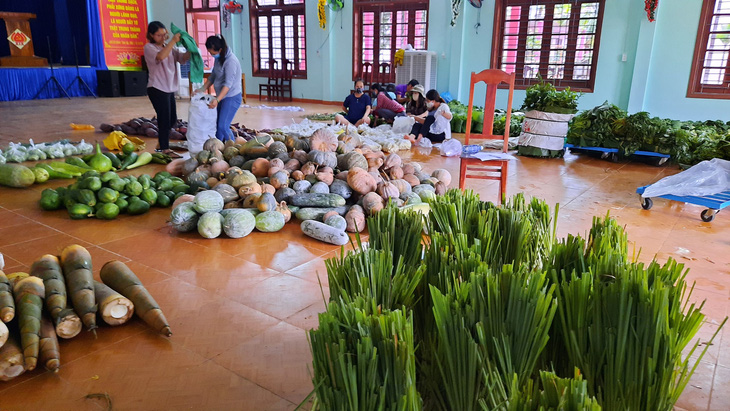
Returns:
point(653, 77)
point(668, 77)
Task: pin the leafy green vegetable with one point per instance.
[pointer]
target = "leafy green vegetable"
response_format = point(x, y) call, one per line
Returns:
point(544, 97)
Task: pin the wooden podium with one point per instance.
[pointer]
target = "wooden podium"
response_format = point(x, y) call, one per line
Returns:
point(21, 42)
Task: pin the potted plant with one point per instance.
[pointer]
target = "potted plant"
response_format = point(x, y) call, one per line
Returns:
point(547, 113)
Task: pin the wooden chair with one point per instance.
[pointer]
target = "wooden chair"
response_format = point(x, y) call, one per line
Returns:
point(285, 80)
point(272, 85)
point(366, 73)
point(491, 169)
point(384, 74)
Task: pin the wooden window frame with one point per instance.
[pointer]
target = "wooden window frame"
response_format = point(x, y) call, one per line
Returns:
point(695, 88)
point(282, 10)
point(522, 83)
point(206, 6)
point(378, 6)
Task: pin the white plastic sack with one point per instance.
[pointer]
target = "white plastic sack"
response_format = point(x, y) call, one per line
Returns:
point(541, 141)
point(201, 122)
point(545, 127)
point(2, 261)
point(704, 179)
point(403, 125)
point(451, 148)
point(425, 143)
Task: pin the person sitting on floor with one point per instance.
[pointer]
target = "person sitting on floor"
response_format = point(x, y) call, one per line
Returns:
point(416, 105)
point(437, 125)
point(403, 91)
point(390, 88)
point(385, 108)
point(357, 107)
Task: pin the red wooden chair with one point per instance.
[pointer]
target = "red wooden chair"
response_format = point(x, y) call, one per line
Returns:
point(490, 169)
point(384, 74)
point(367, 74)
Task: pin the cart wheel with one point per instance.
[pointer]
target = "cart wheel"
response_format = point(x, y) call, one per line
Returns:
point(658, 161)
point(707, 215)
point(646, 203)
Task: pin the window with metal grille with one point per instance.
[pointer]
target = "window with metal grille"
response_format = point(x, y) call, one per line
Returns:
point(382, 27)
point(710, 75)
point(556, 40)
point(278, 32)
point(202, 5)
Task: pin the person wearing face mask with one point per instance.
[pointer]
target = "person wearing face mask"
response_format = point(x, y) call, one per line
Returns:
point(385, 107)
point(161, 59)
point(416, 105)
point(356, 107)
point(437, 125)
point(226, 80)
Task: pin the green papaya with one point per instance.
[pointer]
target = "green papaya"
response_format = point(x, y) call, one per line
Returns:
point(85, 196)
point(122, 203)
point(149, 196)
point(92, 183)
point(50, 200)
point(107, 211)
point(80, 211)
point(137, 206)
point(145, 180)
point(117, 184)
point(107, 195)
point(134, 188)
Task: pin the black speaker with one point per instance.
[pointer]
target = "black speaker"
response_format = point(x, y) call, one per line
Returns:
point(134, 83)
point(107, 83)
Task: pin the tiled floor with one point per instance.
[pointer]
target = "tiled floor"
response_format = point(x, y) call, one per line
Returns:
point(239, 308)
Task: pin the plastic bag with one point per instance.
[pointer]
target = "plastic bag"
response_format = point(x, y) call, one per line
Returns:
point(403, 125)
point(425, 143)
point(85, 148)
point(706, 178)
point(15, 153)
point(2, 158)
point(450, 148)
point(201, 122)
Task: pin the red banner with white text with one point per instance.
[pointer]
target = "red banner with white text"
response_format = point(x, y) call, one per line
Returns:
point(124, 31)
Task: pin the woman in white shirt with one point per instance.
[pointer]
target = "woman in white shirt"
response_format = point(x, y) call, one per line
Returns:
point(437, 125)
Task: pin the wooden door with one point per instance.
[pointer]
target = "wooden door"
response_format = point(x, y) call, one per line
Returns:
point(204, 25)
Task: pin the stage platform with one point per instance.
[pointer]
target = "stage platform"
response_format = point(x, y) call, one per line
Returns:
point(24, 83)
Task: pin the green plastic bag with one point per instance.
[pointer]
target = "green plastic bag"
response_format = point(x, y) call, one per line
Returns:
point(196, 60)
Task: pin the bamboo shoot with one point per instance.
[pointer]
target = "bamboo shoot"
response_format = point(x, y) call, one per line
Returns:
point(48, 268)
point(50, 354)
point(29, 293)
point(11, 360)
point(115, 309)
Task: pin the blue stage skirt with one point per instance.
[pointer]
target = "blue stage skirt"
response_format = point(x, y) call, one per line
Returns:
point(24, 83)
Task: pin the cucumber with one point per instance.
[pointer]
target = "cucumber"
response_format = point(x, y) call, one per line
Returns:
point(324, 232)
point(116, 163)
point(317, 213)
point(317, 200)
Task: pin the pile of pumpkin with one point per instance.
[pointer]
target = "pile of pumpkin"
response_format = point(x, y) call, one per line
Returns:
point(311, 178)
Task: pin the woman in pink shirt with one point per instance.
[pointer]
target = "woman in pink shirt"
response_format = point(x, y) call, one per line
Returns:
point(385, 108)
point(162, 84)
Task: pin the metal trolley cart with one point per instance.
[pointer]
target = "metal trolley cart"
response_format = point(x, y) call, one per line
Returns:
point(714, 203)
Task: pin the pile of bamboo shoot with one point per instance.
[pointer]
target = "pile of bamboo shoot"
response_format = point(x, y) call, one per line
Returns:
point(56, 299)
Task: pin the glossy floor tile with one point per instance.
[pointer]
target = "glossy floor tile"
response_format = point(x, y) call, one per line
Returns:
point(239, 309)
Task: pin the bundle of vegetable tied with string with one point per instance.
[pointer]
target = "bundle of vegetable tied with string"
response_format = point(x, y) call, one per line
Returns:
point(363, 358)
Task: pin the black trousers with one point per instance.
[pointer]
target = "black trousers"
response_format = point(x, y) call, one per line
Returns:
point(164, 104)
point(419, 128)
